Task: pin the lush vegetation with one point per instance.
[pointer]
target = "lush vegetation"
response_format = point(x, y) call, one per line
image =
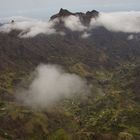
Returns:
point(110, 112)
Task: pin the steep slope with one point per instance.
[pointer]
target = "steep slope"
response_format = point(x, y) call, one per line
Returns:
point(108, 60)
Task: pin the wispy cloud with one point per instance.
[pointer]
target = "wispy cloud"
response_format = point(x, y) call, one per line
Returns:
point(127, 22)
point(51, 84)
point(73, 23)
point(30, 28)
point(85, 35)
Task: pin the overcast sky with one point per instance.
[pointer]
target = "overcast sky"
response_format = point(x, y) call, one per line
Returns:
point(45, 8)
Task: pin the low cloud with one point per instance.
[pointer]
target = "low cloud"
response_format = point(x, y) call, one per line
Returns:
point(130, 37)
point(30, 28)
point(5, 20)
point(128, 22)
point(73, 23)
point(51, 84)
point(85, 35)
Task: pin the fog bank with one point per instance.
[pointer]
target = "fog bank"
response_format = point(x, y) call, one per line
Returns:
point(127, 22)
point(49, 85)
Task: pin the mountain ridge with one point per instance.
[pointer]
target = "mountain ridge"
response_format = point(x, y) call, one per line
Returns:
point(85, 17)
point(107, 60)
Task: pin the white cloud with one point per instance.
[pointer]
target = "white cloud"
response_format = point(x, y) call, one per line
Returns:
point(130, 37)
point(85, 35)
point(128, 22)
point(30, 28)
point(50, 84)
point(73, 23)
point(16, 18)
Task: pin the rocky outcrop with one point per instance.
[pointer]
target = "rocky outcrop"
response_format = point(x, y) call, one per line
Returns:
point(84, 17)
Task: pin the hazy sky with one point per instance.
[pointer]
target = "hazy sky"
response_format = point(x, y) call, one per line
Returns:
point(45, 8)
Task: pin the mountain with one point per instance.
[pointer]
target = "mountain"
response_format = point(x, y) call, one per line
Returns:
point(107, 60)
point(84, 17)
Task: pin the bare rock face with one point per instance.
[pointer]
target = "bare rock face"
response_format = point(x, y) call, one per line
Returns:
point(62, 13)
point(92, 14)
point(84, 17)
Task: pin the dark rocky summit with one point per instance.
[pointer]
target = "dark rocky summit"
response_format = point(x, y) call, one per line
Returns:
point(84, 17)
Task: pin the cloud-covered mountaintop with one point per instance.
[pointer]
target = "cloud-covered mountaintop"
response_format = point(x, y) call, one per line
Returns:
point(84, 23)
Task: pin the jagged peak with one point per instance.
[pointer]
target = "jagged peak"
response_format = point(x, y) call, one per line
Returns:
point(62, 13)
point(92, 13)
point(65, 12)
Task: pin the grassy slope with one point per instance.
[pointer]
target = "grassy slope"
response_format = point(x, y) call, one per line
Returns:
point(111, 111)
